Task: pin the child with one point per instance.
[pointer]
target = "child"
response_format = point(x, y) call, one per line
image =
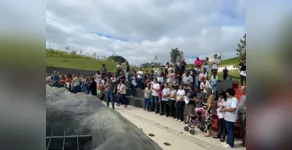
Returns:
point(221, 133)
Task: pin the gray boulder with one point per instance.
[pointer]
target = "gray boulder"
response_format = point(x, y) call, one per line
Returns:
point(109, 130)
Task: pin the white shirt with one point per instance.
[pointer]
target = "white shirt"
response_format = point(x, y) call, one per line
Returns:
point(205, 86)
point(160, 79)
point(180, 93)
point(140, 74)
point(165, 91)
point(170, 69)
point(215, 63)
point(231, 103)
point(171, 93)
point(155, 86)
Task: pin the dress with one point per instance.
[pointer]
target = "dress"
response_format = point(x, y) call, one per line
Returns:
point(208, 117)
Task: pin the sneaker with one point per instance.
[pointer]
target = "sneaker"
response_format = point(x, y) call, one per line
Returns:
point(227, 146)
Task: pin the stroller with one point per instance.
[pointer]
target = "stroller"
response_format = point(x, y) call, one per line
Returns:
point(196, 118)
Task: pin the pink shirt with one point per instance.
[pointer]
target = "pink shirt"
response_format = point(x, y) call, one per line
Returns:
point(198, 63)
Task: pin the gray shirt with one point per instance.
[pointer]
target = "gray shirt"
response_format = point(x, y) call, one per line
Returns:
point(110, 88)
point(201, 98)
point(242, 104)
point(187, 80)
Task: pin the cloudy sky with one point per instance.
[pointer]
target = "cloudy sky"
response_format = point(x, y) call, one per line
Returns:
point(141, 29)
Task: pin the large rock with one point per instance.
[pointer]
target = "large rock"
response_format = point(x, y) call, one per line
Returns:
point(109, 130)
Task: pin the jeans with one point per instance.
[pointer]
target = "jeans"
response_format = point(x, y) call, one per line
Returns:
point(172, 108)
point(154, 104)
point(221, 133)
point(109, 97)
point(76, 89)
point(139, 83)
point(146, 102)
point(122, 99)
point(164, 108)
point(230, 133)
point(214, 88)
point(180, 110)
point(132, 87)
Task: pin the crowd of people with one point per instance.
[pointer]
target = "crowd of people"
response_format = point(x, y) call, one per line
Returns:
point(171, 90)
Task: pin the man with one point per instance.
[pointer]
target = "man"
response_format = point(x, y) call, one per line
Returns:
point(103, 71)
point(193, 73)
point(182, 66)
point(242, 114)
point(109, 93)
point(156, 71)
point(187, 81)
point(242, 68)
point(225, 73)
point(215, 63)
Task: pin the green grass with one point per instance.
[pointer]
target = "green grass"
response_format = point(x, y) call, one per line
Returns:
point(64, 60)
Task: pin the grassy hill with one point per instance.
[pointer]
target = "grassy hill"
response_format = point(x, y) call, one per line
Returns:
point(65, 60)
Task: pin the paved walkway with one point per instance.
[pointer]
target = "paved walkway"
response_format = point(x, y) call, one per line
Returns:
point(170, 131)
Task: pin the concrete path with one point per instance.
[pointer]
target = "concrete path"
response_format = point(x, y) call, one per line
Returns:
point(170, 131)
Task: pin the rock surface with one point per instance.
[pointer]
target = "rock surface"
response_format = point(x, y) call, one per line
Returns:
point(109, 130)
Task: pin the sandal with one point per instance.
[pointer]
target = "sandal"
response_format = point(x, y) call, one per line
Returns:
point(208, 135)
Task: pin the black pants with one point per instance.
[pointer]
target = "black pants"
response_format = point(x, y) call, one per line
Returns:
point(224, 77)
point(164, 108)
point(172, 108)
point(242, 81)
point(221, 131)
point(180, 110)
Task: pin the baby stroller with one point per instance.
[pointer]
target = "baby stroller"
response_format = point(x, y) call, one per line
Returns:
point(196, 118)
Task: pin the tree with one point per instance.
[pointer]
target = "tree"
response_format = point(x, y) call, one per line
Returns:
point(241, 47)
point(175, 54)
point(67, 48)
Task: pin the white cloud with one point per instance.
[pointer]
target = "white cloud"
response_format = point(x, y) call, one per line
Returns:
point(142, 29)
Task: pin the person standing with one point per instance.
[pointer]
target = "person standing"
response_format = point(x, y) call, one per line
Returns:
point(221, 131)
point(205, 84)
point(140, 78)
point(180, 103)
point(92, 87)
point(225, 73)
point(172, 102)
point(147, 95)
point(133, 84)
point(213, 83)
point(155, 93)
point(103, 71)
point(215, 63)
point(189, 107)
point(127, 69)
point(156, 70)
point(109, 86)
point(165, 100)
point(230, 116)
point(242, 114)
point(182, 66)
point(166, 68)
point(187, 81)
point(198, 63)
point(122, 93)
point(131, 74)
point(206, 66)
point(208, 112)
point(242, 69)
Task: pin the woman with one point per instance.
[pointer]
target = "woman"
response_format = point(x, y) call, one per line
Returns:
point(155, 93)
point(202, 75)
point(221, 132)
point(119, 69)
point(122, 94)
point(85, 86)
point(76, 84)
point(62, 81)
point(97, 75)
point(165, 100)
point(198, 63)
point(189, 107)
point(180, 103)
point(100, 88)
point(213, 82)
point(147, 92)
point(208, 112)
point(133, 84)
point(92, 87)
point(204, 84)
point(230, 114)
point(139, 78)
point(166, 68)
point(172, 102)
point(170, 77)
point(160, 79)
